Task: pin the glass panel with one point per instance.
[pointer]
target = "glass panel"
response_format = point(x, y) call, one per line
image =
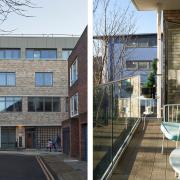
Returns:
point(30, 54)
point(52, 54)
point(56, 104)
point(116, 110)
point(44, 54)
point(31, 104)
point(143, 65)
point(2, 104)
point(73, 72)
point(8, 54)
point(66, 107)
point(48, 104)
point(17, 104)
point(16, 54)
point(75, 104)
point(37, 54)
point(2, 79)
point(66, 54)
point(131, 65)
point(11, 79)
point(39, 104)
point(9, 104)
point(1, 54)
point(39, 79)
point(48, 79)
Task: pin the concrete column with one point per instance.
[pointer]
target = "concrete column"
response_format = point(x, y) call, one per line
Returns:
point(159, 64)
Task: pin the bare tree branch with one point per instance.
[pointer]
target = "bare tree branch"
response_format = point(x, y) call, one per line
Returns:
point(14, 7)
point(113, 27)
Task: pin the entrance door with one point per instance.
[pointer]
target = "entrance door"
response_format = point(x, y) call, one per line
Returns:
point(30, 138)
point(84, 142)
point(66, 140)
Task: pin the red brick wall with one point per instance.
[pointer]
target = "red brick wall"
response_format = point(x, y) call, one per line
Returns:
point(80, 85)
point(74, 143)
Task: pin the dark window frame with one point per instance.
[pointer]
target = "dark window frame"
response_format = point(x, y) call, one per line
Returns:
point(40, 50)
point(14, 105)
point(15, 49)
point(33, 101)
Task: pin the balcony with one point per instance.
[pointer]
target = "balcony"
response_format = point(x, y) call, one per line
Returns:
point(123, 147)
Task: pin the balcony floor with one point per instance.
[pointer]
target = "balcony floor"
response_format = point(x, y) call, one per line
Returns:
point(142, 159)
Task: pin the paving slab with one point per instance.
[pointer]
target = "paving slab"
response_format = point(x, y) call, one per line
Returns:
point(65, 168)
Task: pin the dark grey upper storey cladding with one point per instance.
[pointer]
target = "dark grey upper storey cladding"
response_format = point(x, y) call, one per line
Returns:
point(24, 43)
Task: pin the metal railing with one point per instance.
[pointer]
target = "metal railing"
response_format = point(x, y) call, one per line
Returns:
point(117, 112)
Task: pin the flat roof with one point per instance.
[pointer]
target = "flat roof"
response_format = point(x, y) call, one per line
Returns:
point(151, 5)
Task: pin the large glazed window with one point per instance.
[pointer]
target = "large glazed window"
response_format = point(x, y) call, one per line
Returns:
point(9, 53)
point(74, 105)
point(45, 54)
point(44, 79)
point(7, 79)
point(74, 72)
point(44, 104)
point(10, 104)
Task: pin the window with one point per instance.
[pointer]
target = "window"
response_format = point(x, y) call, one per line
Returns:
point(44, 79)
point(130, 65)
point(9, 53)
point(66, 106)
point(138, 65)
point(7, 79)
point(66, 53)
point(44, 104)
point(74, 105)
point(74, 72)
point(10, 104)
point(143, 65)
point(45, 54)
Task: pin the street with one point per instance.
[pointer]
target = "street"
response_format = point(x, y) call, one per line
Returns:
point(20, 167)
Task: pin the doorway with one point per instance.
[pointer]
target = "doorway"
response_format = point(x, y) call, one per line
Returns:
point(30, 138)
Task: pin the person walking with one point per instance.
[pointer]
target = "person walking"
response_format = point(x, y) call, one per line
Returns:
point(58, 142)
point(54, 144)
point(50, 144)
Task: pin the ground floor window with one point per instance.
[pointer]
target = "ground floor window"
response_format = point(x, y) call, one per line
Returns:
point(74, 105)
point(8, 137)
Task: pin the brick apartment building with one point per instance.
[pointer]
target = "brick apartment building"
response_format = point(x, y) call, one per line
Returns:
point(33, 89)
point(75, 128)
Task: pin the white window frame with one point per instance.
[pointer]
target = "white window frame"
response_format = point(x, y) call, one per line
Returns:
point(72, 112)
point(75, 63)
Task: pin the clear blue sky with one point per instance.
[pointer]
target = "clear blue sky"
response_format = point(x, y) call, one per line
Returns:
point(55, 16)
point(146, 20)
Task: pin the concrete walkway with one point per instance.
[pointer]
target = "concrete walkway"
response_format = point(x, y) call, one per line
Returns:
point(60, 165)
point(64, 167)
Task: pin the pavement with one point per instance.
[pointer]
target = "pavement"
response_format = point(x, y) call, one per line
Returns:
point(61, 166)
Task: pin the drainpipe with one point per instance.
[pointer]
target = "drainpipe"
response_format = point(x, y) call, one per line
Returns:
point(159, 63)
